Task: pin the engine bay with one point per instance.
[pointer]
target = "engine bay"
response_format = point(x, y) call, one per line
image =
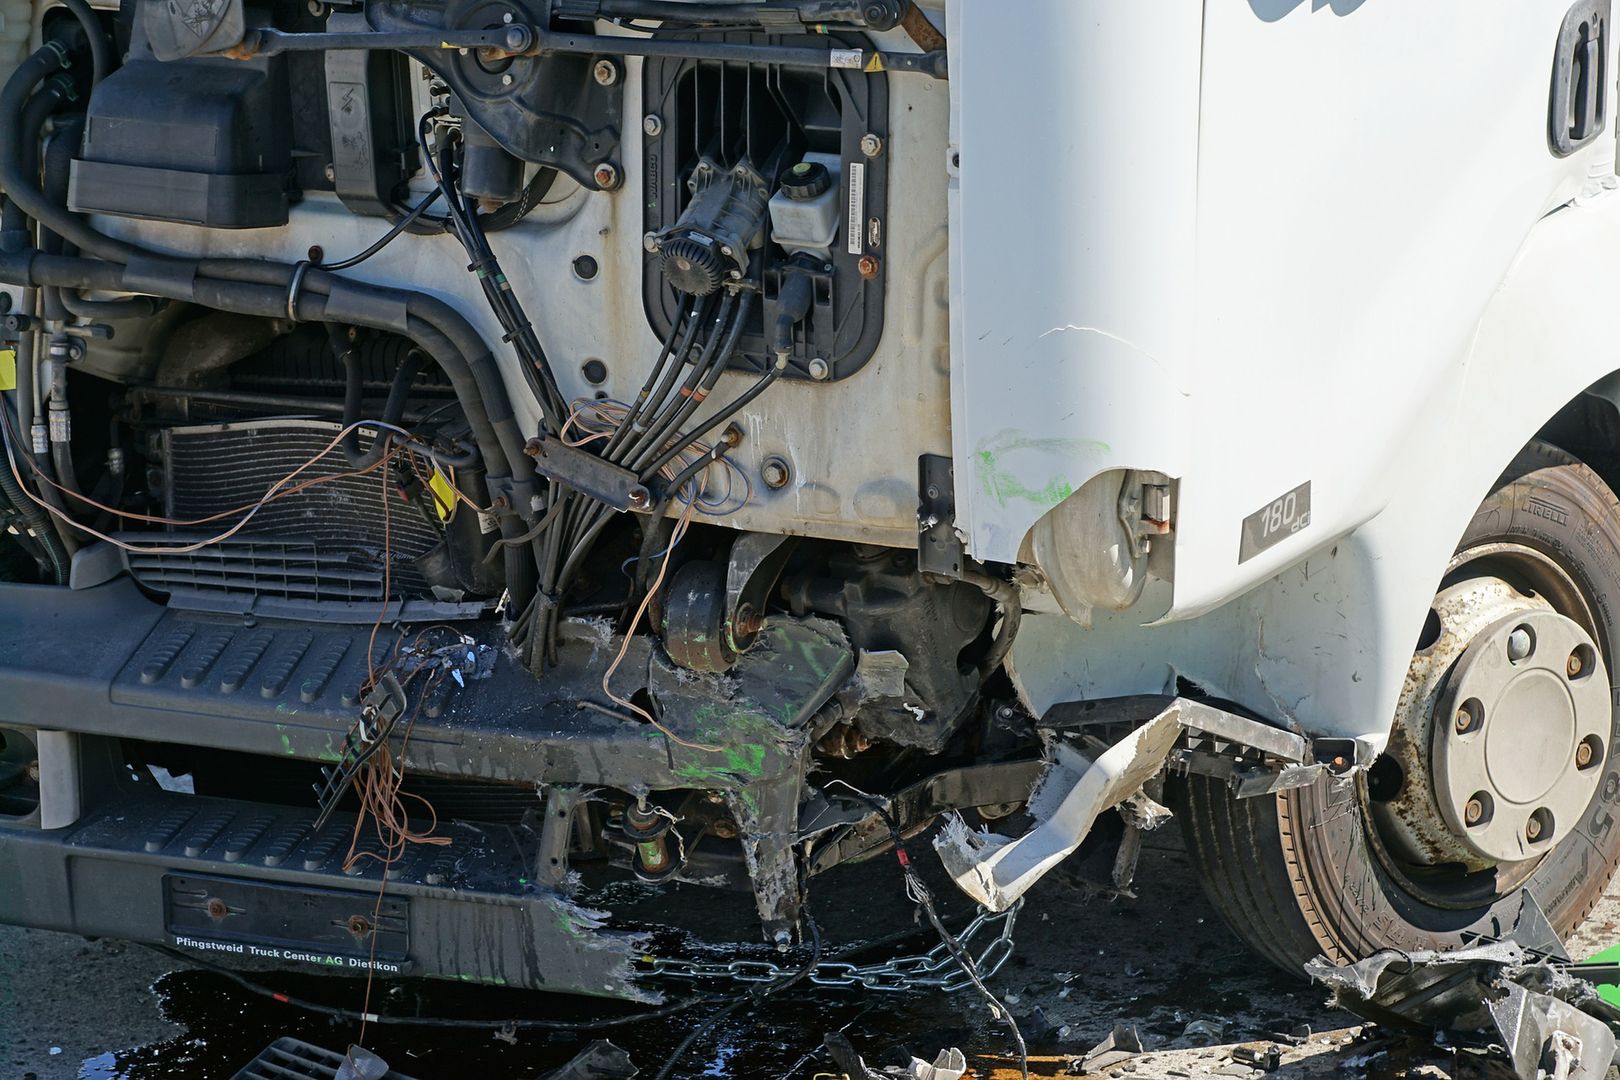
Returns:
point(285, 284)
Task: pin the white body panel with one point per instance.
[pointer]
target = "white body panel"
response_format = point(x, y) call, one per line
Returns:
point(1382, 306)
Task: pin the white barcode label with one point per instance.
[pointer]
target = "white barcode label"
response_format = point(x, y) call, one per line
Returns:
point(855, 228)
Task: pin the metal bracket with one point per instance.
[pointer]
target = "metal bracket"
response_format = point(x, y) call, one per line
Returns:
point(753, 568)
point(583, 471)
point(939, 549)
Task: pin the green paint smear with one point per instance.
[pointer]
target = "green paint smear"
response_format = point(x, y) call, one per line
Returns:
point(1608, 993)
point(1003, 486)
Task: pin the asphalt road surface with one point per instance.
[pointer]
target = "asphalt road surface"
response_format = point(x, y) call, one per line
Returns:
point(1162, 962)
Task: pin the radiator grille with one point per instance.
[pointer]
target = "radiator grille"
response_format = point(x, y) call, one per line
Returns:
point(325, 543)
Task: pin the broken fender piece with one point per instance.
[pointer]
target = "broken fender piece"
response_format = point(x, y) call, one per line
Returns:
point(996, 870)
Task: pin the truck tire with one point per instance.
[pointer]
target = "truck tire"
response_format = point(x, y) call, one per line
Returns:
point(1321, 870)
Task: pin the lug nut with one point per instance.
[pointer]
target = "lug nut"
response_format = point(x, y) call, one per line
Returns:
point(1583, 755)
point(1465, 720)
point(1519, 644)
point(1574, 665)
point(1532, 828)
point(1473, 811)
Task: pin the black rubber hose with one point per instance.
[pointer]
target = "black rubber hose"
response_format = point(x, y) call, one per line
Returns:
point(1005, 594)
point(95, 34)
point(704, 377)
point(39, 526)
point(30, 126)
point(651, 430)
point(686, 438)
point(58, 167)
point(21, 186)
point(354, 399)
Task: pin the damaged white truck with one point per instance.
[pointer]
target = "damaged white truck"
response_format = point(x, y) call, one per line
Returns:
point(463, 456)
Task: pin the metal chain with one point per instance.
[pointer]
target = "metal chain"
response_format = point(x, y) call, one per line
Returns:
point(936, 968)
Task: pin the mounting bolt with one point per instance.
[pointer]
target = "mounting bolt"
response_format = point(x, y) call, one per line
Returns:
point(653, 125)
point(1532, 828)
point(732, 436)
point(819, 369)
point(871, 145)
point(216, 908)
point(775, 473)
point(649, 242)
point(607, 177)
point(506, 80)
point(1519, 644)
point(606, 72)
point(1574, 664)
point(33, 772)
point(1464, 720)
point(331, 173)
point(1583, 755)
point(868, 266)
point(639, 498)
point(1474, 811)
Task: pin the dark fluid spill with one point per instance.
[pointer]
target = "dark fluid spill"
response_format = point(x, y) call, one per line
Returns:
point(224, 1026)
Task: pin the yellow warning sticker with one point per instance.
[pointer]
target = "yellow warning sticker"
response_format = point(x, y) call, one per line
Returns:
point(8, 369)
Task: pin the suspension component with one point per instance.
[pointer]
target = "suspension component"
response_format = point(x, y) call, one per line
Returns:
point(649, 830)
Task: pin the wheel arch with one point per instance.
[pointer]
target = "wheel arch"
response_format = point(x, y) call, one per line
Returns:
point(1323, 646)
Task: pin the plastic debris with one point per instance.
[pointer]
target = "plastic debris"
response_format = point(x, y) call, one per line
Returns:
point(361, 1064)
point(947, 1065)
point(1122, 1044)
point(1266, 1059)
point(601, 1060)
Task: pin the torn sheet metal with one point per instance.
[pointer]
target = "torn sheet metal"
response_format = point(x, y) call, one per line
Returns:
point(996, 870)
point(1550, 1022)
point(1552, 1039)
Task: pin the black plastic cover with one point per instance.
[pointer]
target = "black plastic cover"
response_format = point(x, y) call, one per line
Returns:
point(369, 114)
point(203, 141)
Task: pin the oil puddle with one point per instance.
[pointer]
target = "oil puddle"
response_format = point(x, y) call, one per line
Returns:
point(224, 1026)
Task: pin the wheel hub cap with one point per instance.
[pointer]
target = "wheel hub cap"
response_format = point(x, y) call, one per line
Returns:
point(1502, 726)
point(1509, 780)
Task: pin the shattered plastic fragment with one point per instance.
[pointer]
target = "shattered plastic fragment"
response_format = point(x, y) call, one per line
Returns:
point(947, 1065)
point(996, 870)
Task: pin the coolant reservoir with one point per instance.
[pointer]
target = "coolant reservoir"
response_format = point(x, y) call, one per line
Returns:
point(16, 22)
